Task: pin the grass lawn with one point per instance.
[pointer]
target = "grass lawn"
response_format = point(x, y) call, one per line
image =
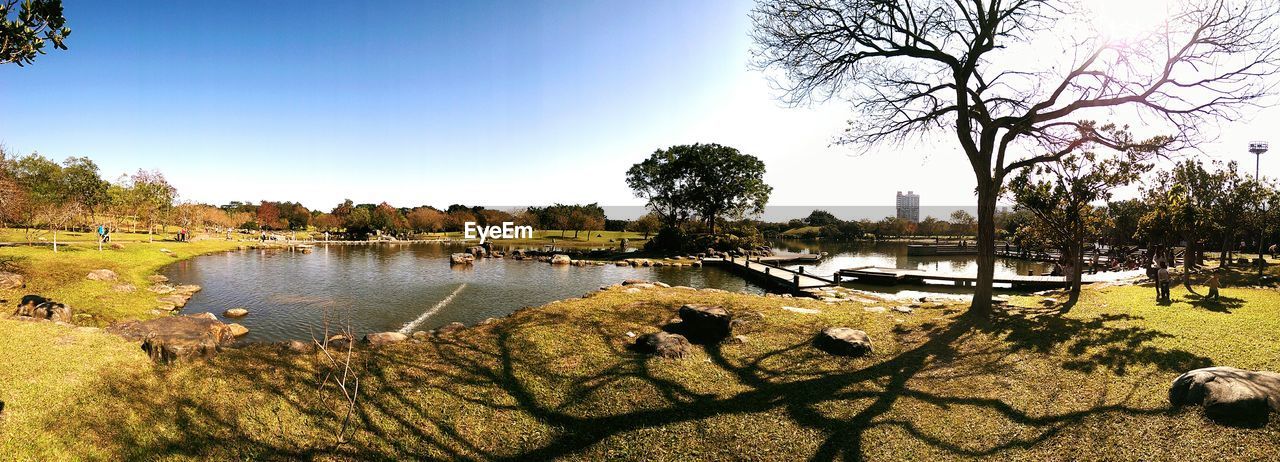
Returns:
point(61, 275)
point(559, 382)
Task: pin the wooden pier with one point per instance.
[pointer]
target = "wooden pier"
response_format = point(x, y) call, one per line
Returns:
point(766, 270)
point(892, 276)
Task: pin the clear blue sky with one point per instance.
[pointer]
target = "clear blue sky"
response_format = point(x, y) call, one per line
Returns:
point(512, 103)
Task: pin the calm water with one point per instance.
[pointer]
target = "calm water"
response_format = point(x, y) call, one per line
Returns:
point(894, 255)
point(381, 288)
point(387, 287)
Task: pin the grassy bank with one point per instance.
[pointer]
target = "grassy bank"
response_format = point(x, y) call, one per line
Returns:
point(559, 382)
point(62, 275)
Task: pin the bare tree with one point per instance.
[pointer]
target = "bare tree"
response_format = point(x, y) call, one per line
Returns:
point(984, 72)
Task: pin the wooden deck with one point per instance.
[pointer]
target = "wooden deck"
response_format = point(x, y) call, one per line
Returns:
point(891, 276)
point(766, 270)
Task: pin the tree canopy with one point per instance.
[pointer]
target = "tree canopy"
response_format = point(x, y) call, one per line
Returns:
point(26, 27)
point(707, 181)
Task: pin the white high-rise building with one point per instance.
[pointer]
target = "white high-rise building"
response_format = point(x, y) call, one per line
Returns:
point(909, 206)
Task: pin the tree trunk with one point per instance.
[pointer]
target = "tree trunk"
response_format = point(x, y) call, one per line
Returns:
point(1077, 270)
point(986, 245)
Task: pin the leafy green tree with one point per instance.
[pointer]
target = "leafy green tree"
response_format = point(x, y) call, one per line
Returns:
point(648, 224)
point(26, 27)
point(821, 218)
point(1060, 197)
point(83, 184)
point(1181, 206)
point(962, 223)
point(708, 181)
point(940, 68)
point(148, 197)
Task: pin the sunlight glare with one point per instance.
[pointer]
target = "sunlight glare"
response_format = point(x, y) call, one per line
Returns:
point(1122, 20)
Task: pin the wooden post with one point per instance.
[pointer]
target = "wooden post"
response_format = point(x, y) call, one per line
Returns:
point(802, 269)
point(837, 278)
point(766, 271)
point(795, 279)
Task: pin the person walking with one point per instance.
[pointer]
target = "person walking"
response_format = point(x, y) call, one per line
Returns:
point(1164, 279)
point(1213, 284)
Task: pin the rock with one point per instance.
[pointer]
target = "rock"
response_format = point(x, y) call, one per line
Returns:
point(662, 285)
point(205, 315)
point(631, 290)
point(238, 330)
point(642, 286)
point(663, 344)
point(177, 300)
point(631, 334)
point(161, 288)
point(683, 288)
point(236, 313)
point(117, 246)
point(385, 338)
point(560, 259)
point(187, 289)
point(298, 346)
point(174, 338)
point(843, 341)
point(632, 282)
point(158, 278)
point(1229, 395)
point(450, 328)
point(903, 309)
point(337, 342)
point(621, 263)
point(461, 259)
point(37, 308)
point(124, 288)
point(421, 335)
point(739, 339)
point(11, 281)
point(705, 322)
point(801, 310)
point(101, 275)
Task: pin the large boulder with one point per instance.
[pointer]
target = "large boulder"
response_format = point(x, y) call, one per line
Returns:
point(101, 275)
point(1229, 395)
point(384, 338)
point(236, 313)
point(843, 341)
point(461, 259)
point(11, 281)
point(37, 308)
point(174, 338)
point(705, 322)
point(663, 344)
point(560, 259)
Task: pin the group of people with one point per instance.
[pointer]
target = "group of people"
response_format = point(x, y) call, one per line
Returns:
point(184, 235)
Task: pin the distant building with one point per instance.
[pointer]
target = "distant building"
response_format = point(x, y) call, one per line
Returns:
point(909, 206)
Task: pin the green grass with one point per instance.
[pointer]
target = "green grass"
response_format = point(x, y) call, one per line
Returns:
point(61, 275)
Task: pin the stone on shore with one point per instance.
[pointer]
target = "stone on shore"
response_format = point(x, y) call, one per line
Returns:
point(101, 275)
point(450, 328)
point(1229, 395)
point(177, 300)
point(560, 259)
point(384, 338)
point(801, 310)
point(843, 341)
point(37, 308)
point(298, 346)
point(174, 338)
point(236, 313)
point(663, 344)
point(161, 288)
point(705, 322)
point(158, 278)
point(11, 281)
point(238, 330)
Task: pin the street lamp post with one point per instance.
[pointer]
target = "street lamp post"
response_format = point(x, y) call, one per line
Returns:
point(1258, 148)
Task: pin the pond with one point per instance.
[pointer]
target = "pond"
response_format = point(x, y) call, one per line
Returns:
point(378, 288)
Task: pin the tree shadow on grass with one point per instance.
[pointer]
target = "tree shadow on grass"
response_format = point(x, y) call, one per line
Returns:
point(506, 392)
point(1218, 305)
